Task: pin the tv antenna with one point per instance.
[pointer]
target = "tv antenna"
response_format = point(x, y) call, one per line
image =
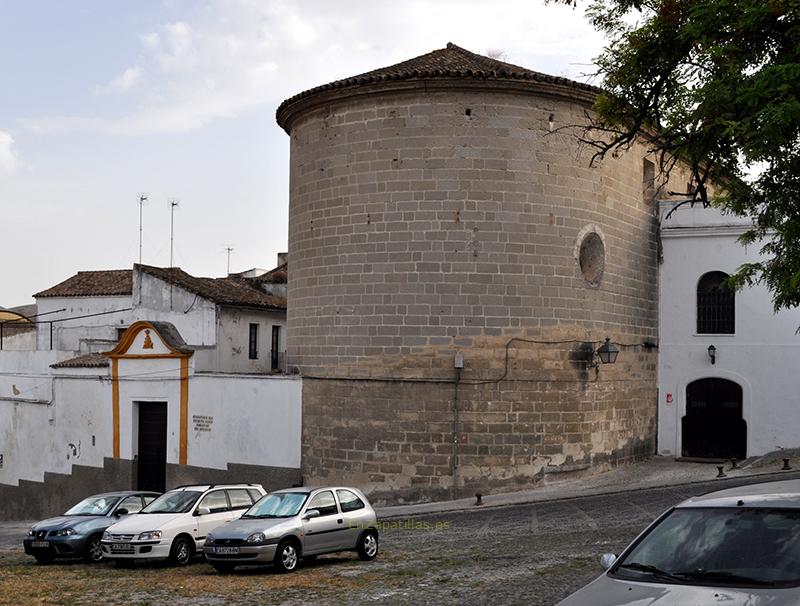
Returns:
point(142, 200)
point(229, 251)
point(173, 202)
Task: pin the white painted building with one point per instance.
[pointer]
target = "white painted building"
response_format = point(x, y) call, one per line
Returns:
point(739, 398)
point(187, 389)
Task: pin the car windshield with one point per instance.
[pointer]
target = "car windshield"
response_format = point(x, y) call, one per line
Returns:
point(92, 506)
point(277, 505)
point(175, 501)
point(725, 546)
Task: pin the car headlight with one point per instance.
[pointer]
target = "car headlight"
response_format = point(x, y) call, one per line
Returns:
point(209, 538)
point(256, 537)
point(31, 532)
point(150, 535)
point(65, 532)
point(106, 536)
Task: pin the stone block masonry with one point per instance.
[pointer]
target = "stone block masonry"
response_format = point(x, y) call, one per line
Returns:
point(411, 440)
point(435, 216)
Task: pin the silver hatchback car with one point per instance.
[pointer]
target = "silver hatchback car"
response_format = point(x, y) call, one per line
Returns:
point(288, 525)
point(739, 546)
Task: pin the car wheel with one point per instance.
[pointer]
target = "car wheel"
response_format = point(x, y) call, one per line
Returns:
point(367, 547)
point(92, 552)
point(286, 556)
point(44, 558)
point(223, 568)
point(181, 552)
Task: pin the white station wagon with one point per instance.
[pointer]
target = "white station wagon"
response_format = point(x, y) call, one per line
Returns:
point(175, 525)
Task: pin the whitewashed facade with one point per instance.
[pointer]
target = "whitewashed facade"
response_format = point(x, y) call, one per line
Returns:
point(72, 418)
point(754, 374)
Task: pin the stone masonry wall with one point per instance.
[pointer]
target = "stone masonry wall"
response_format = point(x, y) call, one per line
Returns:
point(395, 439)
point(428, 223)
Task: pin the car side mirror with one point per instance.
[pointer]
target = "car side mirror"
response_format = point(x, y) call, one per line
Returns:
point(607, 560)
point(121, 512)
point(310, 514)
point(202, 511)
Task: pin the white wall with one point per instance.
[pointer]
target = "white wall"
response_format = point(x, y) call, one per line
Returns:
point(64, 416)
point(762, 354)
point(233, 351)
point(194, 317)
point(49, 425)
point(20, 341)
point(97, 333)
point(256, 420)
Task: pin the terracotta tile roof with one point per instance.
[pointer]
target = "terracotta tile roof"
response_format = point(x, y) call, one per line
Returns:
point(279, 275)
point(449, 62)
point(102, 283)
point(240, 292)
point(90, 360)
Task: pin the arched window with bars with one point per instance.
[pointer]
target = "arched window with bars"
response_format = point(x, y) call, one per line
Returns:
point(716, 305)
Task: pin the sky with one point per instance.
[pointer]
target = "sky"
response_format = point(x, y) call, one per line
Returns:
point(103, 101)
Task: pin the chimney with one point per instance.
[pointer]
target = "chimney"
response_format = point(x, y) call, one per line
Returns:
point(283, 258)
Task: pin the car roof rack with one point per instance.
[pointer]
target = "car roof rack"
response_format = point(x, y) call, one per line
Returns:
point(210, 486)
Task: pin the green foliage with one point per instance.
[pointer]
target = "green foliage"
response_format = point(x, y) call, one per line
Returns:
point(714, 83)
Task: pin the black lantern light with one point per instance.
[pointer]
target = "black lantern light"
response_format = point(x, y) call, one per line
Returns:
point(608, 352)
point(712, 353)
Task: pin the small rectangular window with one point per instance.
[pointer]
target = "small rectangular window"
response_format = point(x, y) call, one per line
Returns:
point(254, 341)
point(275, 353)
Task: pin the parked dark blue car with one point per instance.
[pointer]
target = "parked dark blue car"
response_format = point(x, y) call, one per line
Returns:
point(77, 533)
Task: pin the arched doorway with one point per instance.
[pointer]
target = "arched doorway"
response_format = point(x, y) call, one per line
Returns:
point(713, 427)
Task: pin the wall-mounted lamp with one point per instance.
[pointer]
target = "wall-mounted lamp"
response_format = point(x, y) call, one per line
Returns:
point(458, 361)
point(712, 353)
point(607, 352)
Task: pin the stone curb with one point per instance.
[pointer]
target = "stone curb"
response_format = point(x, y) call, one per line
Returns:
point(451, 507)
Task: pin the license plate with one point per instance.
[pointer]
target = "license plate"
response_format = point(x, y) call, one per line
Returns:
point(40, 543)
point(226, 550)
point(121, 547)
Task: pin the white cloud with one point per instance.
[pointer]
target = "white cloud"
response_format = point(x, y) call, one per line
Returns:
point(122, 83)
point(8, 157)
point(231, 55)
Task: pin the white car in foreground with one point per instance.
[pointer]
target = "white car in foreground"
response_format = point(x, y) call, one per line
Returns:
point(174, 526)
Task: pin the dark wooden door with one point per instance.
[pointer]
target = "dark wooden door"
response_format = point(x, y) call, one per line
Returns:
point(713, 427)
point(152, 461)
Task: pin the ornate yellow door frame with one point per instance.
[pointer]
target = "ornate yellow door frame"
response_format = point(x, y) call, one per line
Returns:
point(130, 347)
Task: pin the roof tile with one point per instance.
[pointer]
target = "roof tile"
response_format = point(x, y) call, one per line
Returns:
point(223, 291)
point(449, 62)
point(101, 283)
point(90, 360)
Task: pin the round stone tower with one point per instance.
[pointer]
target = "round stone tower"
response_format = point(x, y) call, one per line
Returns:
point(442, 212)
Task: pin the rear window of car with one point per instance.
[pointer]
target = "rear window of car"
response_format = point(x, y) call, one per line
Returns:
point(349, 500)
point(254, 494)
point(240, 498)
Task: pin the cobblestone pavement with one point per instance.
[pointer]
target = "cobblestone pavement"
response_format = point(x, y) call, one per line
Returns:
point(530, 554)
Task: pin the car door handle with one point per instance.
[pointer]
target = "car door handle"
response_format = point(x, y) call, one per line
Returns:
point(339, 521)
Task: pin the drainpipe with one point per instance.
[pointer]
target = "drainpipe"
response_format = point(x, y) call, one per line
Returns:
point(459, 366)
